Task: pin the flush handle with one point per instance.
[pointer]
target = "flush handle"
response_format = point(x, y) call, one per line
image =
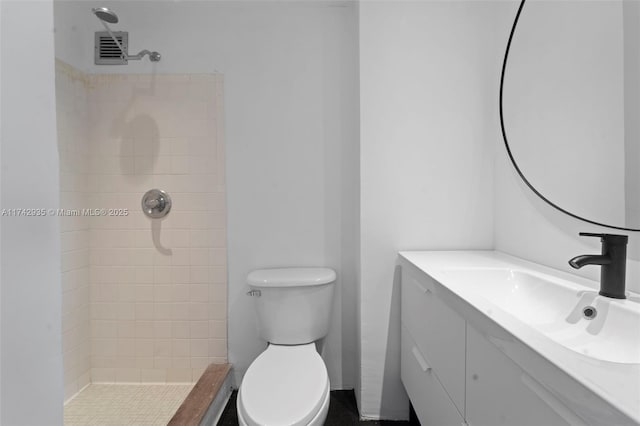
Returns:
point(254, 293)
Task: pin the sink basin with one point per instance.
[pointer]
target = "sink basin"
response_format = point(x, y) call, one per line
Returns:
point(556, 308)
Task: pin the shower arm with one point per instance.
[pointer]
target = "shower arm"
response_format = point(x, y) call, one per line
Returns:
point(153, 56)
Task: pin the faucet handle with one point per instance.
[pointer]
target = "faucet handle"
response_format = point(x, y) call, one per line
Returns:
point(607, 238)
point(591, 234)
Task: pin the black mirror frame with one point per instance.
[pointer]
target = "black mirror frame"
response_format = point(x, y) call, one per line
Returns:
point(506, 142)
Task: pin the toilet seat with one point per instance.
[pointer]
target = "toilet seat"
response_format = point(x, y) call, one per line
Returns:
point(285, 385)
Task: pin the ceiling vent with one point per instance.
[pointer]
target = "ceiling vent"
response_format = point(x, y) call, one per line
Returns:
point(107, 51)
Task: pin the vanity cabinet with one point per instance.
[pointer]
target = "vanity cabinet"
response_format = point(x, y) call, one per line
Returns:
point(455, 376)
point(500, 393)
point(432, 404)
point(433, 352)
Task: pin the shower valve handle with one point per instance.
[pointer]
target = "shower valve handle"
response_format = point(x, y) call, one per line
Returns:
point(152, 204)
point(156, 203)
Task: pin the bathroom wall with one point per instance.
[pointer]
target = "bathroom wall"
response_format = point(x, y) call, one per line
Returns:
point(428, 83)
point(143, 301)
point(1, 134)
point(73, 150)
point(564, 92)
point(158, 287)
point(291, 116)
point(524, 225)
point(428, 90)
point(631, 28)
point(527, 227)
point(31, 389)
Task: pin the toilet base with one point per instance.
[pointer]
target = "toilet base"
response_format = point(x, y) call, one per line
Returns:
point(318, 420)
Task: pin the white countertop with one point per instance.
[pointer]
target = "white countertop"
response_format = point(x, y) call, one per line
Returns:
point(617, 384)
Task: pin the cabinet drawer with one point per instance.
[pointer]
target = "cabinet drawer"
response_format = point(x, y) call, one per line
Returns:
point(429, 399)
point(439, 332)
point(499, 392)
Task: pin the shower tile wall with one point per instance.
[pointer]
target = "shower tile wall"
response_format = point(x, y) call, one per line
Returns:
point(157, 288)
point(73, 148)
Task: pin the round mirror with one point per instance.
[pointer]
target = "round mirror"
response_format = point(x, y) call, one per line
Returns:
point(570, 107)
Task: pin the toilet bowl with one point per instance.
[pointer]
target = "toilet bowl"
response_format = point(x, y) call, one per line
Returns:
point(288, 384)
point(285, 385)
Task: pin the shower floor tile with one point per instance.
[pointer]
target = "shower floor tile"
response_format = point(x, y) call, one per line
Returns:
point(120, 405)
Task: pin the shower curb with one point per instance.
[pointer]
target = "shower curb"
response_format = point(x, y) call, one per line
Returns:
point(196, 405)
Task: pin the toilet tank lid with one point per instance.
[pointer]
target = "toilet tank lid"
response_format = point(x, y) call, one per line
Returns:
point(291, 277)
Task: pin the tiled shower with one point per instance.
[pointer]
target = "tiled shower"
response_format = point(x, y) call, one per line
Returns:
point(144, 300)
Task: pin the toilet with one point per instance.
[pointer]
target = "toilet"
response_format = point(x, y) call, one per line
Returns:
point(288, 384)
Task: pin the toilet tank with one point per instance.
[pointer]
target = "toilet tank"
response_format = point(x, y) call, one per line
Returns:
point(293, 305)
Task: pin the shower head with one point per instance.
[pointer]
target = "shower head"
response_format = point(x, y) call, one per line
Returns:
point(108, 16)
point(105, 14)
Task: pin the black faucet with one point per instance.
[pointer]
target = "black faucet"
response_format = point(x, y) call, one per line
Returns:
point(613, 261)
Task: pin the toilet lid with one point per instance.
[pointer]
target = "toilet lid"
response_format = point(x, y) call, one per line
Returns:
point(285, 385)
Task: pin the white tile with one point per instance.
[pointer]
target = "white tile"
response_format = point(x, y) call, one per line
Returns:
point(146, 405)
point(127, 375)
point(199, 330)
point(180, 165)
point(139, 296)
point(199, 293)
point(199, 347)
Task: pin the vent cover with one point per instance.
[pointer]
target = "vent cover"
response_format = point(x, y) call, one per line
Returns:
point(107, 51)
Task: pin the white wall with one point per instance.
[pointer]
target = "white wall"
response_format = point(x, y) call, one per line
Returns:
point(524, 225)
point(1, 118)
point(429, 84)
point(291, 129)
point(563, 104)
point(631, 28)
point(31, 351)
point(527, 227)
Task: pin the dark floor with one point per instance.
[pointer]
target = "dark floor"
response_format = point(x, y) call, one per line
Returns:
point(342, 411)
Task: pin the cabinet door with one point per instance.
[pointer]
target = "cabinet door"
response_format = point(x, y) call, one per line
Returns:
point(499, 392)
point(438, 331)
point(430, 401)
